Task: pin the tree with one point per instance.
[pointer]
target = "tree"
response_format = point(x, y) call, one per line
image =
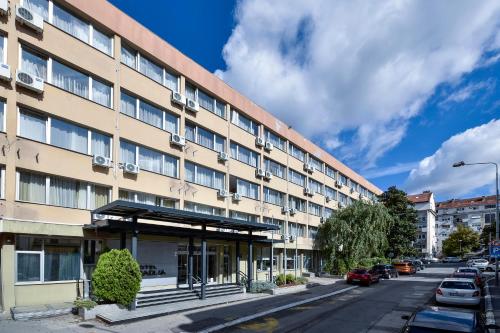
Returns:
point(117, 277)
point(403, 230)
point(461, 241)
point(353, 233)
point(488, 230)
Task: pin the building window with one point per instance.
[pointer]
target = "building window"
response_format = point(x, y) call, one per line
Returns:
point(148, 113)
point(146, 198)
point(276, 140)
point(296, 177)
point(330, 172)
point(274, 197)
point(200, 175)
point(296, 229)
point(149, 68)
point(315, 186)
point(327, 212)
point(34, 63)
point(276, 168)
point(206, 101)
point(63, 134)
point(317, 164)
point(244, 216)
point(205, 137)
point(47, 260)
point(204, 209)
point(262, 255)
point(343, 179)
point(297, 153)
point(313, 231)
point(244, 123)
point(342, 198)
point(279, 223)
point(331, 193)
point(3, 49)
point(314, 209)
point(245, 188)
point(58, 191)
point(297, 203)
point(69, 23)
point(244, 155)
point(149, 159)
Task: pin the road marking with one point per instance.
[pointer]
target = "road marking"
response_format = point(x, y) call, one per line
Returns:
point(274, 310)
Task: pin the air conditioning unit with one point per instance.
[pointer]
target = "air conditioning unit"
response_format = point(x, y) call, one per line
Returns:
point(292, 238)
point(28, 18)
point(308, 167)
point(4, 7)
point(237, 197)
point(284, 237)
point(259, 142)
point(5, 72)
point(360, 196)
point(338, 184)
point(178, 98)
point(178, 140)
point(268, 146)
point(322, 219)
point(308, 191)
point(268, 175)
point(131, 168)
point(259, 172)
point(328, 198)
point(102, 161)
point(293, 211)
point(284, 209)
point(29, 81)
point(223, 193)
point(192, 105)
point(351, 190)
point(223, 156)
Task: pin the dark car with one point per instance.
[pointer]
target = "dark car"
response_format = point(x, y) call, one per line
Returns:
point(386, 271)
point(419, 265)
point(363, 276)
point(437, 319)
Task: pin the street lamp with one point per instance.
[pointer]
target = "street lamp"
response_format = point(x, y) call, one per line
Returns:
point(460, 242)
point(497, 214)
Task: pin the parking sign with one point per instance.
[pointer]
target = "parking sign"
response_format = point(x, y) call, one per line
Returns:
point(495, 251)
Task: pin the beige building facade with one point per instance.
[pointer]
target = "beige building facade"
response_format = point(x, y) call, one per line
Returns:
point(96, 108)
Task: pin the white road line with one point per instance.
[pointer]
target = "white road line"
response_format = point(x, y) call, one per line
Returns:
point(274, 310)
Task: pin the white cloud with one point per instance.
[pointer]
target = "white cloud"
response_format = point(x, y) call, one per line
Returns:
point(390, 170)
point(478, 144)
point(326, 67)
point(468, 91)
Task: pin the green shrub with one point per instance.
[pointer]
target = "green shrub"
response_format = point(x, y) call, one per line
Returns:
point(301, 280)
point(281, 279)
point(261, 286)
point(117, 277)
point(85, 303)
point(290, 278)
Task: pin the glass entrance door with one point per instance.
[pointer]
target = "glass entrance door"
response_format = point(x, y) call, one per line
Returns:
point(182, 265)
point(182, 268)
point(226, 274)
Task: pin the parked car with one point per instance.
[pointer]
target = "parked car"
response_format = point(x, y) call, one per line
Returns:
point(451, 259)
point(405, 267)
point(419, 265)
point(491, 267)
point(363, 276)
point(474, 270)
point(458, 292)
point(386, 271)
point(468, 275)
point(430, 260)
point(479, 263)
point(436, 319)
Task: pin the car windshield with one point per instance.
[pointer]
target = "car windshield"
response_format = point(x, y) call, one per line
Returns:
point(465, 275)
point(481, 261)
point(467, 270)
point(457, 285)
point(359, 271)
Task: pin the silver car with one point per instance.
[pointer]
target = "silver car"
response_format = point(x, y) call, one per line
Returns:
point(458, 291)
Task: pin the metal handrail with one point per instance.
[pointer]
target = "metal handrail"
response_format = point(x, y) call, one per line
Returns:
point(196, 279)
point(243, 278)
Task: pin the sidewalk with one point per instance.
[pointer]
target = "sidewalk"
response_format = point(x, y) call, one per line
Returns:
point(492, 303)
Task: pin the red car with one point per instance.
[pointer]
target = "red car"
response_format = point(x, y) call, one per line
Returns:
point(363, 276)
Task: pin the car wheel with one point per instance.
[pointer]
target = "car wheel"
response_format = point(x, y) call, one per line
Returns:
point(489, 269)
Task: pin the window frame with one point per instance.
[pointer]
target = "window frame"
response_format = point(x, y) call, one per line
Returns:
point(283, 142)
point(214, 172)
point(236, 122)
point(215, 102)
point(214, 135)
point(237, 158)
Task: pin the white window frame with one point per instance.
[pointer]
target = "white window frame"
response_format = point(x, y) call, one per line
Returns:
point(42, 265)
point(4, 123)
point(4, 55)
point(2, 185)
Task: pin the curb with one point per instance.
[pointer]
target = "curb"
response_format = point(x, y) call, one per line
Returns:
point(270, 311)
point(490, 316)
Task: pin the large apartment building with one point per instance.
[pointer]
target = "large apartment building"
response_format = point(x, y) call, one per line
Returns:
point(96, 112)
point(426, 227)
point(474, 213)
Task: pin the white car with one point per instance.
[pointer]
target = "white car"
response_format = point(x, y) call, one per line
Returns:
point(458, 292)
point(479, 263)
point(491, 267)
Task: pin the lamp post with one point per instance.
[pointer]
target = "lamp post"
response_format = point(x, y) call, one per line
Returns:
point(497, 214)
point(460, 242)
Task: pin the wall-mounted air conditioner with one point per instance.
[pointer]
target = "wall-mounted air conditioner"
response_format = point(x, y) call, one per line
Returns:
point(308, 191)
point(237, 197)
point(223, 156)
point(284, 209)
point(328, 198)
point(29, 18)
point(5, 72)
point(178, 98)
point(308, 167)
point(259, 142)
point(259, 173)
point(131, 168)
point(192, 105)
point(268, 175)
point(268, 146)
point(29, 81)
point(178, 140)
point(293, 211)
point(223, 193)
point(4, 7)
point(101, 161)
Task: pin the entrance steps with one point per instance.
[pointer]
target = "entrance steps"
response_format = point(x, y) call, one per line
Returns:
point(166, 296)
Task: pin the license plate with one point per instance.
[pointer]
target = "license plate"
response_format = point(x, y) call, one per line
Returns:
point(355, 280)
point(456, 294)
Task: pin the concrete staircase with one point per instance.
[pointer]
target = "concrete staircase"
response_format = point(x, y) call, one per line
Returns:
point(167, 296)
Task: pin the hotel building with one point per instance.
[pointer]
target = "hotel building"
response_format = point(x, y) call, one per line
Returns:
point(97, 111)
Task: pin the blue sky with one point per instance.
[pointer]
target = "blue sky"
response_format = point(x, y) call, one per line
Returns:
point(401, 95)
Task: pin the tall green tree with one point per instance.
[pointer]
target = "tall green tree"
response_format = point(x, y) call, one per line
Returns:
point(403, 230)
point(353, 233)
point(461, 241)
point(485, 234)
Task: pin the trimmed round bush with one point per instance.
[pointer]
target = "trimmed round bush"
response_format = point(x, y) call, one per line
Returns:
point(117, 277)
point(281, 279)
point(290, 278)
